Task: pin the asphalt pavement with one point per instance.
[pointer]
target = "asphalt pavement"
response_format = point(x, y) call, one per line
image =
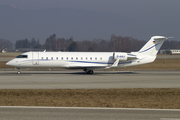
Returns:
point(62, 113)
point(69, 79)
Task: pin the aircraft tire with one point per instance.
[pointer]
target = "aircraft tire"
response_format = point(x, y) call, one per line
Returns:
point(18, 72)
point(90, 72)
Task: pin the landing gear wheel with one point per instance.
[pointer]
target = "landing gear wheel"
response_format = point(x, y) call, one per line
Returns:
point(18, 72)
point(90, 72)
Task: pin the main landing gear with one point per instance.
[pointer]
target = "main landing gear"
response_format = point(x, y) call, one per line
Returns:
point(88, 71)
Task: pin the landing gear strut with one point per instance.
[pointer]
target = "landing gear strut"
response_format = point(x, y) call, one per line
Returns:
point(18, 72)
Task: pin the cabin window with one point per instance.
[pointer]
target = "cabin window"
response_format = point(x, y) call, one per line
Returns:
point(86, 58)
point(76, 58)
point(67, 58)
point(100, 58)
point(90, 58)
point(46, 58)
point(42, 58)
point(81, 58)
point(61, 58)
point(51, 58)
point(71, 58)
point(56, 58)
point(95, 58)
point(22, 56)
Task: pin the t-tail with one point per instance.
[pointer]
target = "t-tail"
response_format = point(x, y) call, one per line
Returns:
point(152, 46)
point(148, 52)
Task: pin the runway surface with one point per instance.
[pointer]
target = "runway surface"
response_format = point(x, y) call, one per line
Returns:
point(44, 113)
point(80, 80)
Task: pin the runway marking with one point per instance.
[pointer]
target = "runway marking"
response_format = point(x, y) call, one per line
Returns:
point(170, 119)
point(91, 108)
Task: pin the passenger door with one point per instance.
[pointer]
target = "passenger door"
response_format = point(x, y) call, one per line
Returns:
point(35, 58)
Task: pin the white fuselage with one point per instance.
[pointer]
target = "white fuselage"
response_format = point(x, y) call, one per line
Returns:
point(76, 60)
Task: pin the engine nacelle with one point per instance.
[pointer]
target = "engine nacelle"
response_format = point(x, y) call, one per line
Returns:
point(120, 56)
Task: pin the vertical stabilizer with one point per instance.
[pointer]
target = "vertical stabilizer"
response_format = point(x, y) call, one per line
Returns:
point(152, 46)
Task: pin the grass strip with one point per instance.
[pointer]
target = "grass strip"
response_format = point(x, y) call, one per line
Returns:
point(114, 98)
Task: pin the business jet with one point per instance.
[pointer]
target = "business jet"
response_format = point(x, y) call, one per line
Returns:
point(88, 61)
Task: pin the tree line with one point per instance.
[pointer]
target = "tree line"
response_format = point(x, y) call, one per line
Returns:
point(6, 44)
point(115, 43)
point(52, 43)
point(25, 43)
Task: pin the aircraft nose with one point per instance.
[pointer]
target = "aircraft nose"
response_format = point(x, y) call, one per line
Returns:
point(8, 63)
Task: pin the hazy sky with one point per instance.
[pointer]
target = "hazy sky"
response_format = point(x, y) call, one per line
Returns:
point(100, 5)
point(163, 12)
point(112, 6)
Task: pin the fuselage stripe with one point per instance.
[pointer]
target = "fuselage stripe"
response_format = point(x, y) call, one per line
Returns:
point(148, 48)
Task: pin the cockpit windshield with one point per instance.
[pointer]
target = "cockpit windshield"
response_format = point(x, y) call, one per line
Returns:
point(22, 56)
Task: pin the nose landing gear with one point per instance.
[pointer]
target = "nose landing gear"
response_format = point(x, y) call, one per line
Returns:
point(18, 72)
